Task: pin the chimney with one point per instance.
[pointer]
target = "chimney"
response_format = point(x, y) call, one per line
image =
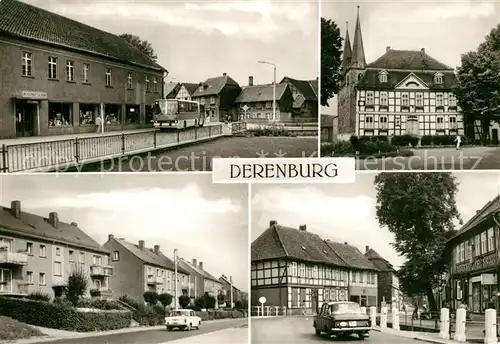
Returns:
point(303, 227)
point(345, 243)
point(224, 74)
point(477, 211)
point(110, 237)
point(15, 207)
point(74, 224)
point(195, 264)
point(53, 219)
point(200, 265)
point(157, 250)
point(367, 248)
point(250, 81)
point(273, 223)
point(141, 244)
point(422, 50)
point(387, 48)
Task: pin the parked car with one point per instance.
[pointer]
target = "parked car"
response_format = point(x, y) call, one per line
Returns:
point(342, 318)
point(182, 319)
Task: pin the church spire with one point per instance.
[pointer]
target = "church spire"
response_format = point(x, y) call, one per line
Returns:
point(347, 56)
point(358, 50)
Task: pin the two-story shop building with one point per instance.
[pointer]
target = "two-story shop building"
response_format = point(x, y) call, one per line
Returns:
point(475, 259)
point(403, 92)
point(57, 75)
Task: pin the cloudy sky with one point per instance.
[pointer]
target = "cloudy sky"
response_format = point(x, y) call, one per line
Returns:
point(203, 221)
point(346, 212)
point(196, 40)
point(446, 29)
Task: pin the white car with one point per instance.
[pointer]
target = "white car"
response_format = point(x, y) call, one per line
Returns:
point(182, 319)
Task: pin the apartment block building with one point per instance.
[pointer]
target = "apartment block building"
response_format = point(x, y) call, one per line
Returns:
point(201, 281)
point(37, 254)
point(227, 285)
point(138, 269)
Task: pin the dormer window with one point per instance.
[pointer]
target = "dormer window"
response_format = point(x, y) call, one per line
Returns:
point(438, 78)
point(382, 76)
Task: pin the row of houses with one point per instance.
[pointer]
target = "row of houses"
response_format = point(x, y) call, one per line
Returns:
point(223, 98)
point(474, 262)
point(37, 254)
point(298, 269)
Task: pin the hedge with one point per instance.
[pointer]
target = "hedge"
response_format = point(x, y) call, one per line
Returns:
point(441, 140)
point(366, 146)
point(61, 316)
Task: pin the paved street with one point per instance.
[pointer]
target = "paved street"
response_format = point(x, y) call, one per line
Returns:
point(154, 336)
point(299, 330)
point(198, 157)
point(438, 159)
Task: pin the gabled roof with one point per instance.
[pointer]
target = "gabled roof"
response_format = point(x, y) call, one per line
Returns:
point(171, 89)
point(147, 256)
point(370, 80)
point(285, 242)
point(227, 281)
point(351, 255)
point(260, 93)
point(38, 227)
point(314, 84)
point(416, 60)
point(304, 87)
point(378, 261)
point(488, 209)
point(190, 87)
point(187, 265)
point(213, 86)
point(25, 21)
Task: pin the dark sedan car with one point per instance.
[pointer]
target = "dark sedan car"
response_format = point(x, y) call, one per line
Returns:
point(342, 318)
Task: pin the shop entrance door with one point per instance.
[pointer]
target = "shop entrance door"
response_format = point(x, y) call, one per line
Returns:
point(25, 118)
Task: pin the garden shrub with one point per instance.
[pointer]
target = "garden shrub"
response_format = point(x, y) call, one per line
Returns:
point(39, 296)
point(165, 299)
point(184, 301)
point(151, 297)
point(77, 286)
point(61, 316)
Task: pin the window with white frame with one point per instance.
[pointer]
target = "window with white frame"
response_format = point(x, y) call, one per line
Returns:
point(86, 70)
point(452, 100)
point(491, 240)
point(440, 122)
point(155, 85)
point(382, 77)
point(212, 100)
point(57, 269)
point(116, 255)
point(148, 86)
point(383, 122)
point(29, 248)
point(58, 251)
point(405, 99)
point(477, 246)
point(70, 70)
point(369, 98)
point(27, 64)
point(419, 99)
point(439, 99)
point(108, 77)
point(383, 99)
point(484, 243)
point(52, 67)
point(302, 270)
point(43, 251)
point(97, 260)
point(41, 278)
point(29, 277)
point(129, 80)
point(438, 78)
point(369, 121)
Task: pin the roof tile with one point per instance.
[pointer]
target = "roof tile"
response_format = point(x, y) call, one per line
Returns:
point(408, 60)
point(370, 80)
point(213, 86)
point(304, 86)
point(260, 93)
point(351, 255)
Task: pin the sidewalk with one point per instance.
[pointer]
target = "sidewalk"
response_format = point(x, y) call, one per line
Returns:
point(54, 334)
point(421, 336)
point(227, 336)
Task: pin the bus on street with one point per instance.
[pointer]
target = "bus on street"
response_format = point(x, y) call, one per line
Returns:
point(178, 114)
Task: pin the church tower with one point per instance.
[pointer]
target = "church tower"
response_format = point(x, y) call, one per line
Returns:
point(353, 66)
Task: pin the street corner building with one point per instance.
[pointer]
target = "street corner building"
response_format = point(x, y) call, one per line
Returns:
point(474, 261)
point(297, 270)
point(57, 75)
point(403, 92)
point(37, 254)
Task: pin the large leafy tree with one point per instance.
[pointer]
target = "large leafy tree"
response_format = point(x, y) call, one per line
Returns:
point(331, 59)
point(478, 89)
point(143, 45)
point(420, 210)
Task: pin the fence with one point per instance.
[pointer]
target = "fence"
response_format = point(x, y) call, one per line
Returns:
point(48, 155)
point(268, 311)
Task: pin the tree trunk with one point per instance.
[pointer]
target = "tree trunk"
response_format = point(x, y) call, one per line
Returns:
point(433, 307)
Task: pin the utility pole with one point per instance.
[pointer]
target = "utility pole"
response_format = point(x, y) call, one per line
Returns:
point(176, 297)
point(231, 282)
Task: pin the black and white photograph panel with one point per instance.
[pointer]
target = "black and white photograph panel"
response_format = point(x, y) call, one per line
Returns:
point(411, 92)
point(376, 259)
point(123, 259)
point(156, 85)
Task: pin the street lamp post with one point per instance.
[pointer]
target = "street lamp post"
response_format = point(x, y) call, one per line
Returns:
point(274, 86)
point(231, 282)
point(175, 279)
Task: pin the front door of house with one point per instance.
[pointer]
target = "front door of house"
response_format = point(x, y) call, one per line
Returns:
point(314, 300)
point(25, 118)
point(412, 126)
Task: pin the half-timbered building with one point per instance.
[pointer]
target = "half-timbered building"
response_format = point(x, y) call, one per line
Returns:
point(403, 92)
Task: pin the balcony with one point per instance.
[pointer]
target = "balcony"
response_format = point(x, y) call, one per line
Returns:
point(13, 258)
point(13, 288)
point(103, 292)
point(153, 279)
point(59, 281)
point(101, 271)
